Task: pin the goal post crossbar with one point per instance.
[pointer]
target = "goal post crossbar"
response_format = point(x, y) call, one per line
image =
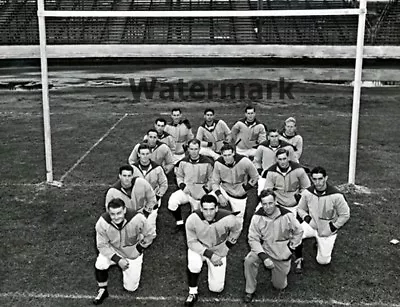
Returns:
point(205, 14)
point(361, 12)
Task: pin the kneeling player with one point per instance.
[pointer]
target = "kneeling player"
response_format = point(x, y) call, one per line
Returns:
point(121, 236)
point(210, 233)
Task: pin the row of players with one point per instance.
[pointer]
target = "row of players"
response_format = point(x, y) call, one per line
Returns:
point(169, 141)
point(274, 231)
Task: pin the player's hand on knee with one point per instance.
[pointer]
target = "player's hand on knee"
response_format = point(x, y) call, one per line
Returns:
point(222, 201)
point(269, 264)
point(216, 260)
point(123, 264)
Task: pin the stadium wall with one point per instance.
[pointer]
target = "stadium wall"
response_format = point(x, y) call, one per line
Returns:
point(194, 51)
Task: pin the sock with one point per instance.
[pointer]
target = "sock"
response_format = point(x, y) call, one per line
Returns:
point(177, 214)
point(101, 277)
point(298, 252)
point(193, 279)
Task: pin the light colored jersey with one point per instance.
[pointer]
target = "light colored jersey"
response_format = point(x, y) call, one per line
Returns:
point(182, 134)
point(271, 236)
point(330, 206)
point(207, 238)
point(154, 175)
point(132, 237)
point(265, 155)
point(216, 134)
point(235, 179)
point(195, 175)
point(247, 136)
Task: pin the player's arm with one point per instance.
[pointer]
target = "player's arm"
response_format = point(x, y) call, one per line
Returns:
point(302, 208)
point(193, 243)
point(150, 196)
point(149, 234)
point(102, 240)
point(296, 231)
point(253, 175)
point(171, 143)
point(342, 209)
point(227, 132)
point(180, 175)
point(235, 131)
point(168, 159)
point(209, 174)
point(304, 181)
point(270, 181)
point(255, 238)
point(133, 157)
point(199, 136)
point(258, 159)
point(262, 135)
point(162, 183)
point(299, 147)
point(109, 197)
point(235, 231)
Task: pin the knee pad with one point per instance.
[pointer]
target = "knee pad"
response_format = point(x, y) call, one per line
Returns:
point(280, 286)
point(131, 288)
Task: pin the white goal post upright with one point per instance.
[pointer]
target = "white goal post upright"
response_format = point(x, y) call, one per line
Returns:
point(357, 92)
point(361, 12)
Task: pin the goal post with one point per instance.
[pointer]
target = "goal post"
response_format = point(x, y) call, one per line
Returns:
point(361, 12)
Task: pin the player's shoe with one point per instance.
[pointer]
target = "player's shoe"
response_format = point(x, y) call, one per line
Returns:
point(102, 294)
point(298, 269)
point(248, 298)
point(191, 299)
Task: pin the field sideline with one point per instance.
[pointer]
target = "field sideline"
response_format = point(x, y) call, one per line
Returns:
point(48, 232)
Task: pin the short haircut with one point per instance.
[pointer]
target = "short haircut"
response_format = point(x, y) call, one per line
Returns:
point(152, 130)
point(176, 110)
point(209, 110)
point(290, 120)
point(281, 151)
point(272, 130)
point(318, 170)
point(207, 198)
point(195, 142)
point(267, 192)
point(116, 203)
point(160, 119)
point(143, 146)
point(126, 167)
point(250, 108)
point(227, 147)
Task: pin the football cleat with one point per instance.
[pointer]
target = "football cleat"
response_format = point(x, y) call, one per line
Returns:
point(102, 294)
point(248, 298)
point(191, 299)
point(298, 269)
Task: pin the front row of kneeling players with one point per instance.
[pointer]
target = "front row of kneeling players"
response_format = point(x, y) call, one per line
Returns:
point(275, 231)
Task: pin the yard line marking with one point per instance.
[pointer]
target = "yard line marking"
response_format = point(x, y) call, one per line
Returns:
point(93, 146)
point(206, 300)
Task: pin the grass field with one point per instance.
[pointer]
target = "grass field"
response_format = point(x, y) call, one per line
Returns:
point(47, 233)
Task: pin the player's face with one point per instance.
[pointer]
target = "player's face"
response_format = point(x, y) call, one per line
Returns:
point(117, 214)
point(159, 126)
point(176, 116)
point(290, 128)
point(144, 156)
point(268, 204)
point(283, 160)
point(126, 178)
point(228, 156)
point(209, 117)
point(319, 181)
point(152, 138)
point(209, 211)
point(273, 138)
point(194, 151)
point(250, 115)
